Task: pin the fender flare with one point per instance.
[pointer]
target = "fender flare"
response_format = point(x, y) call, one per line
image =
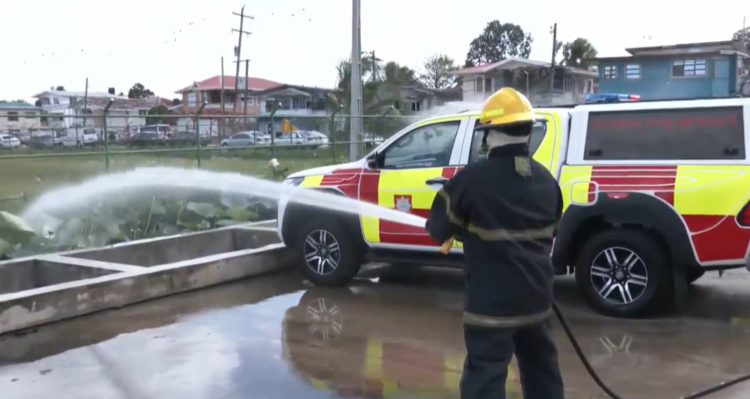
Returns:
point(635, 209)
point(295, 214)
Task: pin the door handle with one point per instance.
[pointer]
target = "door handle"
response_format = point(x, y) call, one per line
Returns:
point(437, 181)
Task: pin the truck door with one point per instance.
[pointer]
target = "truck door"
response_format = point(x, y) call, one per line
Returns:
point(426, 153)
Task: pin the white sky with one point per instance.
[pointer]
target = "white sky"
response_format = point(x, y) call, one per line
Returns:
point(168, 44)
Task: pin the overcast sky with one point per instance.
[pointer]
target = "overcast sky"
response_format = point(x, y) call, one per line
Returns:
point(168, 44)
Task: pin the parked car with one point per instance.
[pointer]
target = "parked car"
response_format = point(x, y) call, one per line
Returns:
point(42, 141)
point(290, 139)
point(245, 139)
point(314, 139)
point(145, 139)
point(9, 141)
point(654, 195)
point(161, 130)
point(187, 138)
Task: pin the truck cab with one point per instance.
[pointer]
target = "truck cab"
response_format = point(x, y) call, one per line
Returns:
point(655, 194)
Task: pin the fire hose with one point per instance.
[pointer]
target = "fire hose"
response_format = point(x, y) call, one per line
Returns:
point(566, 327)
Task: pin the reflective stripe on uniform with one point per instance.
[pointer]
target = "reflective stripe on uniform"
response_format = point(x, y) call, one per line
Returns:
point(478, 320)
point(496, 234)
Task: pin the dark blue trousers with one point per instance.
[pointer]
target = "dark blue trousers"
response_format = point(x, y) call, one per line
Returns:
point(489, 352)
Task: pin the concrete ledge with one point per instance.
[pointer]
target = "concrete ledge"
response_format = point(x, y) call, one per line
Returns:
point(114, 284)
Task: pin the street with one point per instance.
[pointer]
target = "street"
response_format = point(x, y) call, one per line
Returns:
point(278, 337)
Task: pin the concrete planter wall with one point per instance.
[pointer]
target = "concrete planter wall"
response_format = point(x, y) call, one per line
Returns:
point(48, 288)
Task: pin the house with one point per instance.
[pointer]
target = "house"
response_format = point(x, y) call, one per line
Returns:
point(689, 70)
point(123, 115)
point(19, 118)
point(571, 85)
point(60, 107)
point(210, 89)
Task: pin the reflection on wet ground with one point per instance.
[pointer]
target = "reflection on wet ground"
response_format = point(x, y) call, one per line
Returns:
point(276, 337)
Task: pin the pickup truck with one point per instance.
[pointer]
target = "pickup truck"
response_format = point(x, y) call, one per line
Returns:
point(655, 194)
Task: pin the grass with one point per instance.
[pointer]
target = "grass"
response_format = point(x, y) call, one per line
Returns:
point(24, 176)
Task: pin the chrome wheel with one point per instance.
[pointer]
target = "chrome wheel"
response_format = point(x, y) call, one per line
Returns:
point(322, 252)
point(619, 275)
point(326, 320)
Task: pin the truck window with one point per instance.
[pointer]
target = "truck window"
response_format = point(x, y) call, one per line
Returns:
point(478, 151)
point(666, 134)
point(425, 147)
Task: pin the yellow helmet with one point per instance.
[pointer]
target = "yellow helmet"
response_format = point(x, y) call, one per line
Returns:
point(505, 107)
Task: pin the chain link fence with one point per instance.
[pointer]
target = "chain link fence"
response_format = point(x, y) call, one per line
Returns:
point(64, 150)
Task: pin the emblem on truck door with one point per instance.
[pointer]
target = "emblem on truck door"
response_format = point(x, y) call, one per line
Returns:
point(403, 202)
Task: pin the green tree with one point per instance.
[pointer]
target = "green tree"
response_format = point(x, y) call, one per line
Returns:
point(139, 91)
point(158, 115)
point(578, 53)
point(437, 72)
point(498, 42)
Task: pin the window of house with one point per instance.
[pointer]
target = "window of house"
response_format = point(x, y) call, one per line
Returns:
point(30, 115)
point(424, 147)
point(673, 134)
point(12, 116)
point(610, 72)
point(478, 85)
point(632, 71)
point(192, 99)
point(487, 85)
point(416, 106)
point(56, 101)
point(689, 68)
point(479, 152)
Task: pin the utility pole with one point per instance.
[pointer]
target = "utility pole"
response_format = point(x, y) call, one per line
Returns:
point(554, 53)
point(355, 119)
point(238, 49)
point(247, 83)
point(223, 109)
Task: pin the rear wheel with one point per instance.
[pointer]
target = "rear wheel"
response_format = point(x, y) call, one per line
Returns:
point(624, 273)
point(328, 253)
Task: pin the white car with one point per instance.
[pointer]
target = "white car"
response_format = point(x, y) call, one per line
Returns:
point(315, 139)
point(294, 138)
point(9, 141)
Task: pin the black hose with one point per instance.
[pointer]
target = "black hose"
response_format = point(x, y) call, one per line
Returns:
point(580, 354)
point(609, 391)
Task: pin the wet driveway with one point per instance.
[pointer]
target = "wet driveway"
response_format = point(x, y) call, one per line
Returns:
point(276, 337)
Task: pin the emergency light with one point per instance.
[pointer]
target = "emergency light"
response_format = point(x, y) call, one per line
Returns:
point(611, 98)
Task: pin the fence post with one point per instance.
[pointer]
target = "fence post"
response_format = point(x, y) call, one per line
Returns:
point(333, 130)
point(273, 127)
point(198, 132)
point(106, 134)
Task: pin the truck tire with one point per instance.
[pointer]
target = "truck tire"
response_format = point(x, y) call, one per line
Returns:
point(624, 273)
point(328, 254)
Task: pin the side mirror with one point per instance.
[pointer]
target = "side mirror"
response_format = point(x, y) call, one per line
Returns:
point(373, 161)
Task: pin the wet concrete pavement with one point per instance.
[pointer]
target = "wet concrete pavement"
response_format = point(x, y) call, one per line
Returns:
point(276, 337)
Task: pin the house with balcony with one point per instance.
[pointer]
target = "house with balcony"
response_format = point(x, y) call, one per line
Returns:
point(62, 109)
point(19, 118)
point(679, 71)
point(210, 91)
point(531, 77)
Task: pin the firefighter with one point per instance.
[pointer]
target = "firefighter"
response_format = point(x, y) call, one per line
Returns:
point(505, 210)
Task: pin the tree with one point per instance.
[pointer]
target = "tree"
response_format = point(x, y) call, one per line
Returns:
point(158, 115)
point(578, 53)
point(437, 72)
point(498, 42)
point(139, 91)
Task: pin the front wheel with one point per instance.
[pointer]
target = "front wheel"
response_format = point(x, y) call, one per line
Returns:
point(624, 273)
point(328, 253)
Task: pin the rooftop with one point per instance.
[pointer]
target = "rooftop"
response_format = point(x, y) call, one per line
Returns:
point(214, 83)
point(514, 63)
point(19, 105)
point(65, 93)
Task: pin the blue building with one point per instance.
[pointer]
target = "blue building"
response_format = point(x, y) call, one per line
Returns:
point(692, 70)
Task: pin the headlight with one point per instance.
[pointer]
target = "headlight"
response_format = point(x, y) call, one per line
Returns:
point(294, 181)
